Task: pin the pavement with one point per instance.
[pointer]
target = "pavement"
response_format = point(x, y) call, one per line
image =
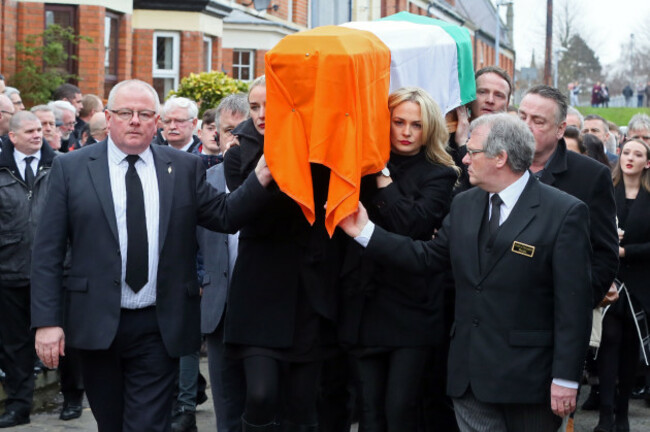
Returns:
point(49, 404)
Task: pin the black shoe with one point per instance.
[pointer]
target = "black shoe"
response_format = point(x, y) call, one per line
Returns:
point(184, 422)
point(201, 397)
point(622, 424)
point(592, 403)
point(70, 411)
point(12, 418)
point(640, 392)
point(605, 424)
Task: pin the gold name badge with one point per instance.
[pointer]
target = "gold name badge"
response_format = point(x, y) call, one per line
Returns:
point(523, 249)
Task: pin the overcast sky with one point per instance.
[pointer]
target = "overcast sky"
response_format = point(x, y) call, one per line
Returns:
point(604, 24)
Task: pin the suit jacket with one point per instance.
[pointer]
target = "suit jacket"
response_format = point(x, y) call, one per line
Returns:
point(216, 277)
point(521, 318)
point(80, 212)
point(634, 269)
point(590, 182)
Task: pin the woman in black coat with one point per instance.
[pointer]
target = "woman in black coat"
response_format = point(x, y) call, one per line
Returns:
point(619, 349)
point(283, 296)
point(391, 320)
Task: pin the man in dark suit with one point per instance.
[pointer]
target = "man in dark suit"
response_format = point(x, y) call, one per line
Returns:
point(128, 211)
point(520, 254)
point(219, 253)
point(24, 175)
point(544, 109)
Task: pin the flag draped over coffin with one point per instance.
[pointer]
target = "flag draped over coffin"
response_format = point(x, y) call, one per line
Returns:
point(327, 103)
point(427, 53)
point(327, 99)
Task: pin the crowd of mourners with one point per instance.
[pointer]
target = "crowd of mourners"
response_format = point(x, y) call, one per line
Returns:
point(310, 332)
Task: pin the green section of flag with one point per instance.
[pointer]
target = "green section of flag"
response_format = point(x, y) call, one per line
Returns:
point(463, 44)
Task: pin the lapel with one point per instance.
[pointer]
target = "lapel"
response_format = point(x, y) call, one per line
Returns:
point(166, 175)
point(100, 177)
point(521, 216)
point(636, 223)
point(470, 230)
point(557, 165)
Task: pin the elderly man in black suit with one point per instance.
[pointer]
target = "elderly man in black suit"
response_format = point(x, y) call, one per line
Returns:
point(520, 254)
point(130, 300)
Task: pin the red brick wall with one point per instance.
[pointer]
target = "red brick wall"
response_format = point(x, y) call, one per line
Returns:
point(389, 7)
point(125, 54)
point(142, 55)
point(191, 55)
point(31, 21)
point(217, 54)
point(226, 64)
point(259, 62)
point(8, 11)
point(301, 12)
point(91, 54)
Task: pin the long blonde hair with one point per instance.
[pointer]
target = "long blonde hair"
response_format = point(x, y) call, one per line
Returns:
point(434, 127)
point(617, 173)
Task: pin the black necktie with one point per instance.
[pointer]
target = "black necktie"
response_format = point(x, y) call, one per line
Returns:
point(29, 172)
point(495, 215)
point(137, 253)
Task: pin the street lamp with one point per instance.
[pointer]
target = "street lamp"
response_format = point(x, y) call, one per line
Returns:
point(498, 5)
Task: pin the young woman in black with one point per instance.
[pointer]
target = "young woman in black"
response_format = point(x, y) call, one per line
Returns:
point(390, 320)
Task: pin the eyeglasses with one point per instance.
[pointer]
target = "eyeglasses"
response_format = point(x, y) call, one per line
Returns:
point(127, 114)
point(70, 124)
point(472, 152)
point(177, 121)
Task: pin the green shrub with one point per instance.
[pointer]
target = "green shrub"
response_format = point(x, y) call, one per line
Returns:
point(208, 88)
point(41, 59)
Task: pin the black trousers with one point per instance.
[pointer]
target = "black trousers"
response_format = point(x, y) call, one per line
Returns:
point(72, 385)
point(130, 385)
point(390, 389)
point(618, 356)
point(278, 389)
point(18, 341)
point(228, 383)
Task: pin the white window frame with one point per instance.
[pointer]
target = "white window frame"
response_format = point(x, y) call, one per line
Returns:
point(251, 67)
point(207, 56)
point(176, 44)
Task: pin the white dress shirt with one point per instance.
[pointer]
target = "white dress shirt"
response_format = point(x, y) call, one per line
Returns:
point(117, 167)
point(19, 157)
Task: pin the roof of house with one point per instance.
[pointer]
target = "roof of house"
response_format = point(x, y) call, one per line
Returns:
point(482, 14)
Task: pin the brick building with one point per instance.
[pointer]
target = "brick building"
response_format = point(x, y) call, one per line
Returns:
point(161, 41)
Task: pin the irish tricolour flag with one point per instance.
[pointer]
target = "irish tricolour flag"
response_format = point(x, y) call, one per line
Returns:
point(428, 53)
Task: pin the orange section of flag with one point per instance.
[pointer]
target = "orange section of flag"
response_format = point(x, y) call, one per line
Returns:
point(327, 103)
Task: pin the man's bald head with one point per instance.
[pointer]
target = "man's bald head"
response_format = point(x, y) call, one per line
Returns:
point(6, 112)
point(98, 128)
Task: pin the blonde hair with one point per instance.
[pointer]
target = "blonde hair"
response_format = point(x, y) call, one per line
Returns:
point(617, 174)
point(259, 81)
point(434, 127)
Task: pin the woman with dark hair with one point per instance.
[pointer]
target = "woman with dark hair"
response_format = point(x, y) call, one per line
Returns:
point(391, 320)
point(619, 350)
point(573, 140)
point(595, 149)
